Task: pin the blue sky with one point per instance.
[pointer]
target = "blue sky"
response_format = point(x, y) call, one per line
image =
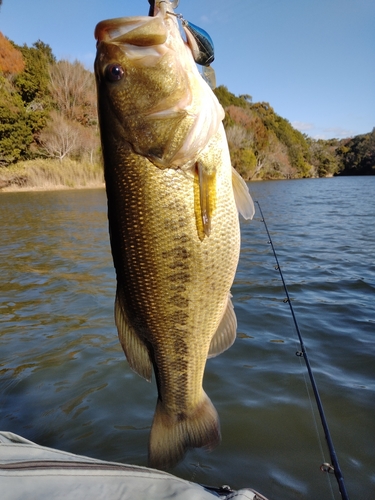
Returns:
point(312, 60)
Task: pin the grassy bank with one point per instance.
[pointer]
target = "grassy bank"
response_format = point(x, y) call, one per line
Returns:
point(50, 174)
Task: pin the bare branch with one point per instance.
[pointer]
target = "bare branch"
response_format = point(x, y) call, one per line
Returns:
point(73, 89)
point(61, 137)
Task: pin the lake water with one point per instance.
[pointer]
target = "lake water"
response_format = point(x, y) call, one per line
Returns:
point(65, 383)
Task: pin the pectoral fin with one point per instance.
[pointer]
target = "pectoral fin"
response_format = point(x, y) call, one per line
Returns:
point(244, 202)
point(226, 333)
point(135, 350)
point(207, 196)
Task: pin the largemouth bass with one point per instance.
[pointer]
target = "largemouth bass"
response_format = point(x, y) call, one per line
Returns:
point(173, 220)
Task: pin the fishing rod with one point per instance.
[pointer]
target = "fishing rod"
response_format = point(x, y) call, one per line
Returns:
point(334, 467)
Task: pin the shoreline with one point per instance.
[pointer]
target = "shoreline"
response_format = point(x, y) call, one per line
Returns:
point(61, 187)
point(14, 188)
point(101, 185)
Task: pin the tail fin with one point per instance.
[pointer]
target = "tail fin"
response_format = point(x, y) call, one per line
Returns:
point(172, 435)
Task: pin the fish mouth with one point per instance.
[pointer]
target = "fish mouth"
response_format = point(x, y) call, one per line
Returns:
point(141, 31)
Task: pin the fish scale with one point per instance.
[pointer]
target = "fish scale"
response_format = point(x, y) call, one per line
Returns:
point(168, 271)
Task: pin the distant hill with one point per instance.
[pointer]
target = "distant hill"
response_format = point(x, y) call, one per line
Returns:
point(357, 155)
point(48, 110)
point(264, 145)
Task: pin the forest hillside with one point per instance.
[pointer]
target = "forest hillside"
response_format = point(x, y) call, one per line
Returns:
point(264, 145)
point(49, 129)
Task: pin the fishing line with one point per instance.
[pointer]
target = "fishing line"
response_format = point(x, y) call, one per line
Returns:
point(335, 467)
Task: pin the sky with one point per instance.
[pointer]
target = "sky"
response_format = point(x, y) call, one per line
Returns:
point(313, 61)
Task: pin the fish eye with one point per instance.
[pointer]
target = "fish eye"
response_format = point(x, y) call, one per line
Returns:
point(114, 72)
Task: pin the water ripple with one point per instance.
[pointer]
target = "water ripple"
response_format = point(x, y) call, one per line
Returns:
point(64, 381)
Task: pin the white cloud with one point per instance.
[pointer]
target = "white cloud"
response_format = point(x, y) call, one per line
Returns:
point(317, 132)
point(303, 126)
point(337, 133)
point(333, 133)
point(205, 19)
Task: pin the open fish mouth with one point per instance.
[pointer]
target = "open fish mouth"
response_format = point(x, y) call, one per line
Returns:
point(141, 31)
point(145, 31)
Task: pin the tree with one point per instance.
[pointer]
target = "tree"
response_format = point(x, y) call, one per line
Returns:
point(357, 155)
point(61, 138)
point(15, 132)
point(23, 99)
point(237, 136)
point(11, 60)
point(297, 147)
point(90, 145)
point(226, 98)
point(277, 163)
point(323, 157)
point(73, 91)
point(247, 97)
point(46, 50)
point(32, 83)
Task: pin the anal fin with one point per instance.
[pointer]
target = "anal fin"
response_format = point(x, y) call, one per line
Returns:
point(135, 349)
point(226, 333)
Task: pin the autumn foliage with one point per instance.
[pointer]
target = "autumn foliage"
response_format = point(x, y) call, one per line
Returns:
point(48, 111)
point(11, 60)
point(47, 107)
